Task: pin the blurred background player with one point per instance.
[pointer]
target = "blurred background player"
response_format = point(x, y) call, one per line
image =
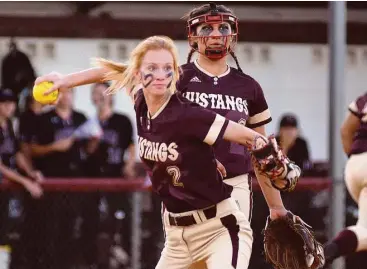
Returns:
point(296, 148)
point(26, 125)
point(16, 167)
point(26, 130)
point(109, 153)
point(12, 158)
point(58, 154)
point(107, 159)
point(354, 138)
point(17, 72)
point(292, 144)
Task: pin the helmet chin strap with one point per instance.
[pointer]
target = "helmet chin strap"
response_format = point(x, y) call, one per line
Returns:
point(216, 53)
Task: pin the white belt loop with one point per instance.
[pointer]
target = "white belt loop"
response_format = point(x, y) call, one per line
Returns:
point(202, 215)
point(197, 217)
point(166, 218)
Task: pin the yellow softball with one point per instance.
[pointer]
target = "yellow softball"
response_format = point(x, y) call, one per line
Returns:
point(40, 89)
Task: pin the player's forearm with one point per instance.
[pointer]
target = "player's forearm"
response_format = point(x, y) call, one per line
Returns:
point(348, 131)
point(88, 76)
point(132, 155)
point(272, 195)
point(26, 150)
point(240, 134)
point(24, 163)
point(41, 150)
point(347, 141)
point(12, 175)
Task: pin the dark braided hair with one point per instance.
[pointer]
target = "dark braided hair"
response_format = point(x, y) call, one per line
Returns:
point(236, 60)
point(192, 51)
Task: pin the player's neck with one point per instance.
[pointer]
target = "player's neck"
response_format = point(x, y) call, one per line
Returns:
point(215, 68)
point(3, 122)
point(63, 112)
point(104, 113)
point(37, 109)
point(154, 104)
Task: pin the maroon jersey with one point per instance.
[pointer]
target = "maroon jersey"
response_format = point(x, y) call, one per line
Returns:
point(175, 146)
point(234, 95)
point(359, 108)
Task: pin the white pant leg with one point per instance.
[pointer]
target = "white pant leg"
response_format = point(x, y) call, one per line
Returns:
point(224, 242)
point(356, 174)
point(242, 193)
point(175, 254)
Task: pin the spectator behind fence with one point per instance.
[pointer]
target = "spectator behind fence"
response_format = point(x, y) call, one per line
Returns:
point(25, 133)
point(107, 160)
point(27, 120)
point(17, 72)
point(292, 144)
point(108, 154)
point(296, 148)
point(58, 153)
point(11, 160)
point(51, 221)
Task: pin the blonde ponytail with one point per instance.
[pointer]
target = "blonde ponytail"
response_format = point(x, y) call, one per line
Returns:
point(121, 75)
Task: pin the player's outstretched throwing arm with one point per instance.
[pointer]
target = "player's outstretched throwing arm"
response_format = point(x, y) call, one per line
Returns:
point(66, 82)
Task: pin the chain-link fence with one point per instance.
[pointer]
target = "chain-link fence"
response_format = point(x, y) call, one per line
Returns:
point(105, 223)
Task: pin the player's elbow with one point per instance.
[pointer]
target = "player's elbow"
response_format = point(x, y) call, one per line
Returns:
point(347, 139)
point(19, 157)
point(240, 134)
point(349, 127)
point(38, 150)
point(346, 133)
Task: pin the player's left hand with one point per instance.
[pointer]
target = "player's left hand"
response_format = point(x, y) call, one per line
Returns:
point(37, 176)
point(290, 243)
point(34, 189)
point(60, 83)
point(221, 169)
point(276, 213)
